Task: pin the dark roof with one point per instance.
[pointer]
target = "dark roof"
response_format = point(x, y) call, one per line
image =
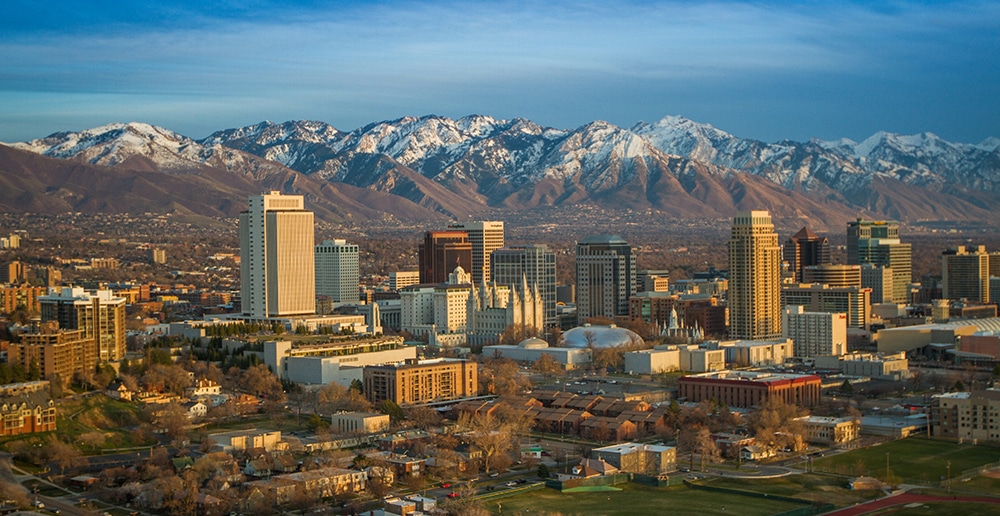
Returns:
point(805, 234)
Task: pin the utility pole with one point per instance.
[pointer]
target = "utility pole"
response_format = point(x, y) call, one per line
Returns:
point(948, 481)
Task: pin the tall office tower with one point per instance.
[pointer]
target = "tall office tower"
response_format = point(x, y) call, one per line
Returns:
point(534, 263)
point(158, 255)
point(965, 273)
point(995, 265)
point(337, 271)
point(754, 277)
point(441, 252)
point(98, 313)
point(277, 257)
point(485, 236)
point(605, 276)
point(13, 273)
point(805, 248)
point(879, 279)
point(877, 242)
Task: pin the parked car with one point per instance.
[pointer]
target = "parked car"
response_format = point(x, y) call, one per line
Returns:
point(452, 495)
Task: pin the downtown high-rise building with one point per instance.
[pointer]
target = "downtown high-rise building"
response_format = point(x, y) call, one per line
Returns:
point(485, 236)
point(533, 264)
point(877, 243)
point(337, 271)
point(277, 257)
point(965, 273)
point(99, 314)
point(605, 277)
point(805, 248)
point(441, 252)
point(754, 277)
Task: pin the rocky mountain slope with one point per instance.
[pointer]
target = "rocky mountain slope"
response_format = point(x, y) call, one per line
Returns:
point(434, 166)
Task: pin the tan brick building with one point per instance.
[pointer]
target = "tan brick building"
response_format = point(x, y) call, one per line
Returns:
point(57, 352)
point(421, 382)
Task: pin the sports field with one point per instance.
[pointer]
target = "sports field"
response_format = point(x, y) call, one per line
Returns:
point(638, 499)
point(914, 460)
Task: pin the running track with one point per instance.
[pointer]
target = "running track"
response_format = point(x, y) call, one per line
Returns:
point(903, 499)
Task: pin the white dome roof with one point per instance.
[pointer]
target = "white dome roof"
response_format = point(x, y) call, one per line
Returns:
point(599, 336)
point(533, 343)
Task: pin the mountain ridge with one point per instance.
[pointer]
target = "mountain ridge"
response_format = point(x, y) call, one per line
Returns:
point(458, 168)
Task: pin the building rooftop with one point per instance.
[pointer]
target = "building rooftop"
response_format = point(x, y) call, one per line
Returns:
point(634, 447)
point(751, 376)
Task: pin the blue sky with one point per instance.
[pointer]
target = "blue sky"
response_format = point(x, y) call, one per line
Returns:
point(765, 70)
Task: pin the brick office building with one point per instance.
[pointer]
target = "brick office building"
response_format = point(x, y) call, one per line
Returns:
point(421, 381)
point(746, 388)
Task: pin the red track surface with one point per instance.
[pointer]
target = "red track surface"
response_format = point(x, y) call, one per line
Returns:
point(904, 499)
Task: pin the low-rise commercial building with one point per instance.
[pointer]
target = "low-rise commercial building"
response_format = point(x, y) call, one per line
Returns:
point(830, 430)
point(532, 349)
point(359, 423)
point(660, 359)
point(645, 459)
point(754, 352)
point(748, 388)
point(893, 366)
point(338, 362)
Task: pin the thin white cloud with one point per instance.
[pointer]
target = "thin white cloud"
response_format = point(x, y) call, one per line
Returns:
point(425, 54)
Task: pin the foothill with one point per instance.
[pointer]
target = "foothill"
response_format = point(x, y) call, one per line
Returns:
point(278, 364)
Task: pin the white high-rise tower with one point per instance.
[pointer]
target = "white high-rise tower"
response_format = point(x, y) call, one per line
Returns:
point(277, 257)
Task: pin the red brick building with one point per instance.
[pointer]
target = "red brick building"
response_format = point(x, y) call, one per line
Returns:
point(746, 388)
point(27, 408)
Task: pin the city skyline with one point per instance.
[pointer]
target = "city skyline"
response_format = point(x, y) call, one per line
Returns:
point(768, 71)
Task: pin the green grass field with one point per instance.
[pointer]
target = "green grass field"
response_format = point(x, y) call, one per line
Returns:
point(808, 486)
point(638, 499)
point(916, 460)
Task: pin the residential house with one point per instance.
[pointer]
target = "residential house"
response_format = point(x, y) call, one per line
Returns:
point(118, 391)
point(607, 429)
point(729, 445)
point(203, 387)
point(284, 464)
point(258, 468)
point(195, 409)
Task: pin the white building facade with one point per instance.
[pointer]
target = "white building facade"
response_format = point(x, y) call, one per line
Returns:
point(337, 271)
point(815, 333)
point(277, 257)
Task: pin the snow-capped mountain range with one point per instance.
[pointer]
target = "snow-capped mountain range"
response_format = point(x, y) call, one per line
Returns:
point(675, 166)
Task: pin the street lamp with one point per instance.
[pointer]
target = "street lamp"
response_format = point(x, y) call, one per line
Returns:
point(948, 481)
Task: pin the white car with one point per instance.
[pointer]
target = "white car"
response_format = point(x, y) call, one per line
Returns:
point(38, 504)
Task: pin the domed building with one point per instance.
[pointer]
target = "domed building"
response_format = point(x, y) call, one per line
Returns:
point(532, 348)
point(612, 336)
